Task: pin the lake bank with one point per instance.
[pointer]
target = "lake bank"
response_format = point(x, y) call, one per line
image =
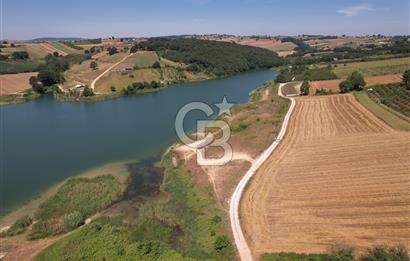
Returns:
point(57, 140)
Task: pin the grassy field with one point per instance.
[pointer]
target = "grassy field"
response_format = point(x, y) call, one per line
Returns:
point(142, 59)
point(286, 46)
point(182, 224)
point(112, 58)
point(373, 68)
point(36, 51)
point(77, 196)
point(120, 81)
point(387, 116)
point(65, 48)
point(18, 66)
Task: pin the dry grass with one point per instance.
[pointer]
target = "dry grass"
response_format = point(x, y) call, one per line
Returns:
point(11, 83)
point(82, 73)
point(333, 85)
point(37, 51)
point(121, 81)
point(341, 175)
point(52, 49)
point(264, 115)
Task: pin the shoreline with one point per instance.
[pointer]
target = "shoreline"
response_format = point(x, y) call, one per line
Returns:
point(116, 169)
point(114, 95)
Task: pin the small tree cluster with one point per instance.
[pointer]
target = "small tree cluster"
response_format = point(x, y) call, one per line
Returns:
point(304, 89)
point(156, 65)
point(134, 87)
point(20, 55)
point(112, 50)
point(354, 82)
point(88, 92)
point(406, 79)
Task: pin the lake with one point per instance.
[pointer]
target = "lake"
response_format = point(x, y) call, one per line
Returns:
point(45, 141)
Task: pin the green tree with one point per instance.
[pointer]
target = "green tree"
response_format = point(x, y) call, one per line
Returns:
point(88, 91)
point(304, 89)
point(156, 65)
point(93, 65)
point(20, 55)
point(406, 79)
point(345, 86)
point(357, 80)
point(73, 220)
point(112, 50)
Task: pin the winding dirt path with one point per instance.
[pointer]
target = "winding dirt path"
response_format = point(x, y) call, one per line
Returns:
point(240, 241)
point(107, 70)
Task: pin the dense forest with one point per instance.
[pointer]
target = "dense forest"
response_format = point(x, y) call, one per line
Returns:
point(219, 58)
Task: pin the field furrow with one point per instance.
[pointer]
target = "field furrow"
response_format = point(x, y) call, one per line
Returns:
point(341, 175)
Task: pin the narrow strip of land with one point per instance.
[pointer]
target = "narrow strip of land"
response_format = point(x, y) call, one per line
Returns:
point(240, 241)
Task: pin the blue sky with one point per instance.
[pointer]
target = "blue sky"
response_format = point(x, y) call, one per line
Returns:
point(27, 19)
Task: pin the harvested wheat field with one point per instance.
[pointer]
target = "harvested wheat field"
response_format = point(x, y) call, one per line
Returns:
point(333, 85)
point(52, 49)
point(340, 176)
point(11, 83)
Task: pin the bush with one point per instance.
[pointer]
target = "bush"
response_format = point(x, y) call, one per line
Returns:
point(18, 227)
point(345, 86)
point(304, 89)
point(73, 220)
point(384, 253)
point(112, 50)
point(156, 65)
point(221, 242)
point(341, 254)
point(113, 89)
point(357, 80)
point(93, 65)
point(88, 92)
point(20, 55)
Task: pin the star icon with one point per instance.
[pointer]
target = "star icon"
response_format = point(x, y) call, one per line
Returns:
point(224, 107)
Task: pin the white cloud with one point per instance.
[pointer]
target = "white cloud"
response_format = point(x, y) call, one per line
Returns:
point(355, 10)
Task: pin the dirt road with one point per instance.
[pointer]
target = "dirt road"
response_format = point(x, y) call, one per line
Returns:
point(340, 176)
point(92, 86)
point(240, 241)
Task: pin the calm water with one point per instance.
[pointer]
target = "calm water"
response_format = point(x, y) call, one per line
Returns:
point(44, 141)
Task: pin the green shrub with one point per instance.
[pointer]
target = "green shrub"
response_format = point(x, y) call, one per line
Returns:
point(73, 220)
point(221, 242)
point(20, 226)
point(341, 254)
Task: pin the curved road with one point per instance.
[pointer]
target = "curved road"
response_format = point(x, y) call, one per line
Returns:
point(240, 241)
point(108, 69)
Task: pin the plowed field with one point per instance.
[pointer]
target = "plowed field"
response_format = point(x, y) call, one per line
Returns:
point(340, 175)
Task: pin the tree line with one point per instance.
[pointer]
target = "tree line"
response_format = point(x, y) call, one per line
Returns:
point(218, 58)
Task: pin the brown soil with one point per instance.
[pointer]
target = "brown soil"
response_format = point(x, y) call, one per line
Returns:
point(373, 80)
point(340, 176)
point(11, 83)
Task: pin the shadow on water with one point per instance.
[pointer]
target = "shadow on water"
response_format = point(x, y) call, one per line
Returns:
point(145, 179)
